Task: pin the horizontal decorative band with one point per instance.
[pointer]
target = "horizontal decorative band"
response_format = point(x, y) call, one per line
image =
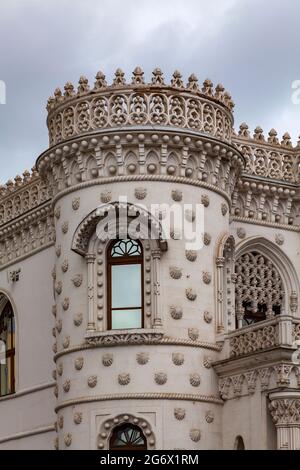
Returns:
point(128, 178)
point(246, 220)
point(161, 342)
point(141, 396)
point(22, 435)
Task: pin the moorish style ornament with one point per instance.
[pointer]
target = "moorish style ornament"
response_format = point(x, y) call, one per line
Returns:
point(191, 255)
point(207, 317)
point(92, 381)
point(77, 417)
point(190, 294)
point(140, 193)
point(195, 435)
point(179, 413)
point(206, 277)
point(142, 358)
point(108, 359)
point(176, 312)
point(178, 359)
point(160, 378)
point(124, 379)
point(195, 380)
point(175, 272)
point(279, 239)
point(78, 318)
point(106, 197)
point(77, 280)
point(241, 232)
point(193, 334)
point(76, 203)
point(78, 364)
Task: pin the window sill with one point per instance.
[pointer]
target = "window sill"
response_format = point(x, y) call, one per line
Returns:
point(124, 337)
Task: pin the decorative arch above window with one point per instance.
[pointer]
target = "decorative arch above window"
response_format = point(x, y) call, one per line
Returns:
point(7, 347)
point(127, 437)
point(139, 254)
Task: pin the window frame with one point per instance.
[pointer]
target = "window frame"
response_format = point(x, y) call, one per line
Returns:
point(10, 354)
point(120, 261)
point(132, 448)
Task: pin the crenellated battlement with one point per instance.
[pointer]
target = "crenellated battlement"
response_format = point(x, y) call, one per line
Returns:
point(270, 157)
point(121, 104)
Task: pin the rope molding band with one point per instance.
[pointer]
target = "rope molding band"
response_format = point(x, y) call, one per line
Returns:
point(142, 396)
point(162, 342)
point(246, 220)
point(127, 178)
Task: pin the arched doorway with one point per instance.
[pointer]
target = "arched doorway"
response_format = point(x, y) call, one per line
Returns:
point(239, 443)
point(127, 437)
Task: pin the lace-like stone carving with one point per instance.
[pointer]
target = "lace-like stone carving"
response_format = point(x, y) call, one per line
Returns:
point(259, 288)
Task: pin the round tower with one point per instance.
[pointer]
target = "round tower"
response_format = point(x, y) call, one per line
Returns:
point(134, 369)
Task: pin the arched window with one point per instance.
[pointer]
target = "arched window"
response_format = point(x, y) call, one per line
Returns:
point(239, 443)
point(7, 347)
point(127, 437)
point(125, 284)
point(259, 289)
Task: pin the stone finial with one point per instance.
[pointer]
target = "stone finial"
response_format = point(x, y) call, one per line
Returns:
point(83, 85)
point(286, 140)
point(193, 83)
point(119, 79)
point(244, 131)
point(69, 90)
point(158, 78)
point(272, 139)
point(219, 92)
point(228, 100)
point(58, 97)
point(50, 103)
point(138, 76)
point(258, 134)
point(100, 81)
point(177, 81)
point(207, 88)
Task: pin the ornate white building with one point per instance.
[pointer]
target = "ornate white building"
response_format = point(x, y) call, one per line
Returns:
point(143, 343)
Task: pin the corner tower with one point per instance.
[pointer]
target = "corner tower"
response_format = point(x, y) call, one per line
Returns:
point(153, 143)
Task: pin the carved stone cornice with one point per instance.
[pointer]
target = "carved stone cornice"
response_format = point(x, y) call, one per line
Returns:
point(259, 379)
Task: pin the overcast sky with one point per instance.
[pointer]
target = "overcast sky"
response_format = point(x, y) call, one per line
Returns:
point(251, 46)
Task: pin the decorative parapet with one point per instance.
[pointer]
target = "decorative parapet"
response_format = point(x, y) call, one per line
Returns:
point(279, 332)
point(269, 158)
point(30, 234)
point(122, 104)
point(21, 196)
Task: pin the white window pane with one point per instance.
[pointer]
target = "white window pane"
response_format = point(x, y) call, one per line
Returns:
point(126, 285)
point(126, 319)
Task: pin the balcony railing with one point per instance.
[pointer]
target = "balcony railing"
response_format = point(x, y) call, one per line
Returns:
point(281, 331)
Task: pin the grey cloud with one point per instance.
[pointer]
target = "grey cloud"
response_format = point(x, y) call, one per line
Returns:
point(249, 46)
